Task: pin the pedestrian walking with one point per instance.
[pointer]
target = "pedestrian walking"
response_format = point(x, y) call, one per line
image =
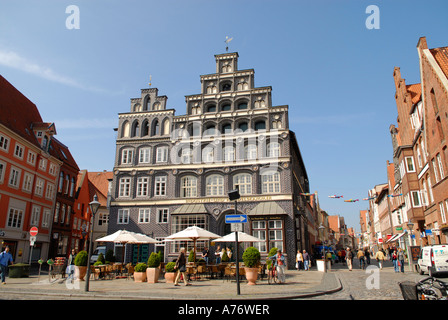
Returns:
point(380, 257)
point(299, 260)
point(343, 256)
point(394, 258)
point(367, 255)
point(71, 265)
point(181, 267)
point(361, 257)
point(280, 264)
point(400, 258)
point(306, 260)
point(349, 259)
point(5, 260)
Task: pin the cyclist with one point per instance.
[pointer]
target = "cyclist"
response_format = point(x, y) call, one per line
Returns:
point(280, 265)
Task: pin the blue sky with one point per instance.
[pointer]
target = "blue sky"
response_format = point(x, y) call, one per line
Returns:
point(318, 56)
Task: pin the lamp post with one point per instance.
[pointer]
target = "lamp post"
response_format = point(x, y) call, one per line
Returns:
point(322, 228)
point(235, 195)
point(94, 205)
point(410, 228)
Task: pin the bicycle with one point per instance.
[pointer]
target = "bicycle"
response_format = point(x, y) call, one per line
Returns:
point(428, 288)
point(272, 274)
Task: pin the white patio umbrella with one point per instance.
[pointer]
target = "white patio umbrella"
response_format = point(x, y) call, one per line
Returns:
point(124, 237)
point(242, 237)
point(194, 234)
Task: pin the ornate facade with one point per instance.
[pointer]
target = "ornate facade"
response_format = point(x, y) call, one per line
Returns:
point(172, 171)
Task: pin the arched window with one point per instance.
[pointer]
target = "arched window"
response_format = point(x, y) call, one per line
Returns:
point(155, 128)
point(243, 86)
point(188, 187)
point(226, 107)
point(227, 128)
point(229, 154)
point(145, 128)
point(270, 182)
point(210, 130)
point(242, 105)
point(135, 130)
point(211, 89)
point(126, 130)
point(226, 87)
point(211, 108)
point(148, 104)
point(273, 150)
point(157, 106)
point(250, 152)
point(243, 126)
point(215, 185)
point(137, 107)
point(166, 127)
point(259, 104)
point(61, 182)
point(260, 125)
point(244, 183)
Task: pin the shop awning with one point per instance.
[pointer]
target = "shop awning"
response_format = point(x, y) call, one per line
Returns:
point(190, 209)
point(396, 237)
point(266, 208)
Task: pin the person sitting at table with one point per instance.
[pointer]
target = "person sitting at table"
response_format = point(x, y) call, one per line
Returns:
point(205, 255)
point(218, 255)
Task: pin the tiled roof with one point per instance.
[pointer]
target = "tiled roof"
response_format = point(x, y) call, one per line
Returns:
point(415, 90)
point(60, 151)
point(17, 112)
point(441, 56)
point(99, 181)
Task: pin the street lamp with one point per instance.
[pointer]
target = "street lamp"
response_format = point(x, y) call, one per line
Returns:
point(410, 227)
point(94, 205)
point(233, 196)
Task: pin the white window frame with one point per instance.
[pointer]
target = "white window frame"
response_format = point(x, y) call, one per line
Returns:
point(188, 187)
point(49, 192)
point(160, 185)
point(35, 216)
point(2, 171)
point(127, 156)
point(19, 150)
point(4, 143)
point(124, 189)
point(270, 183)
point(273, 150)
point(27, 184)
point(31, 158)
point(410, 165)
point(162, 215)
point(123, 216)
point(16, 221)
point(162, 154)
point(415, 194)
point(46, 216)
point(43, 164)
point(39, 188)
point(14, 177)
point(144, 155)
point(442, 211)
point(144, 215)
point(439, 162)
point(229, 154)
point(214, 185)
point(434, 167)
point(244, 183)
point(142, 186)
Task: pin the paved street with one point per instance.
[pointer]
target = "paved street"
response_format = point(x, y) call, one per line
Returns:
point(337, 284)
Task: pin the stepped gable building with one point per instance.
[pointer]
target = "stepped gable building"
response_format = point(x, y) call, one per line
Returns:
point(172, 171)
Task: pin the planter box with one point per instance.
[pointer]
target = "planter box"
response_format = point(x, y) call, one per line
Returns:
point(19, 270)
point(152, 275)
point(139, 276)
point(251, 275)
point(170, 277)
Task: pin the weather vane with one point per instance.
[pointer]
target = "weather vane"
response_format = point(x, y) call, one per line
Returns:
point(227, 42)
point(150, 78)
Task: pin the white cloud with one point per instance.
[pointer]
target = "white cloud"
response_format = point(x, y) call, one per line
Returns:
point(13, 60)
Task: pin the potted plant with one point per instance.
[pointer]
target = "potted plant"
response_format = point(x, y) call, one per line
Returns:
point(251, 259)
point(19, 270)
point(81, 264)
point(170, 274)
point(153, 271)
point(140, 272)
point(191, 256)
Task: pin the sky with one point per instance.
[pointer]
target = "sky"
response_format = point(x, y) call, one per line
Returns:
point(320, 58)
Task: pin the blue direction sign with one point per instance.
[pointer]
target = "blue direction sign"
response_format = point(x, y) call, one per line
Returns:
point(236, 218)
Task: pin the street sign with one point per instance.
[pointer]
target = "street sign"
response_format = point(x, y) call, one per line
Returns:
point(32, 240)
point(34, 231)
point(236, 218)
point(238, 227)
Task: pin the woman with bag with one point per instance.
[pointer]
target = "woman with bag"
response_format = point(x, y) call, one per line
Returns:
point(181, 268)
point(394, 257)
point(299, 260)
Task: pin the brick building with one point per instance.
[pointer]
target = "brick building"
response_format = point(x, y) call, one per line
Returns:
point(172, 171)
point(28, 175)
